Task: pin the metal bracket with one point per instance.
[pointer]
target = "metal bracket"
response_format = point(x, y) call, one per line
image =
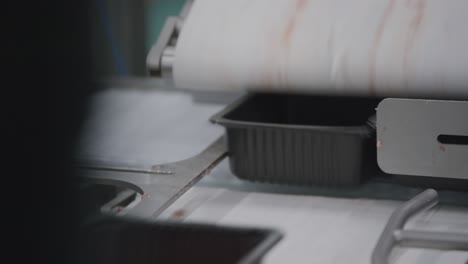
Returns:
point(158, 191)
point(162, 54)
point(394, 234)
point(423, 137)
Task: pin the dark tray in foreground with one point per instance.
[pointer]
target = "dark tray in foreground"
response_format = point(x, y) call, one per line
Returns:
point(118, 240)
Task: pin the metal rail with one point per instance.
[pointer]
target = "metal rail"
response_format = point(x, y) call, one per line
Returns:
point(394, 234)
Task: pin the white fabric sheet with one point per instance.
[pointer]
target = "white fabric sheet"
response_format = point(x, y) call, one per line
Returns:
point(365, 47)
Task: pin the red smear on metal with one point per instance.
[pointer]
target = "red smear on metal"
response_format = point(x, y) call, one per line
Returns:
point(179, 213)
point(144, 196)
point(442, 148)
point(377, 39)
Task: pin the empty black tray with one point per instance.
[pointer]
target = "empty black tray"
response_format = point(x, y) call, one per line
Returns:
point(116, 240)
point(300, 139)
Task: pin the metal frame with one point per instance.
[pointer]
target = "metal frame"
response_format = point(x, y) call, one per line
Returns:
point(394, 234)
point(162, 54)
point(159, 190)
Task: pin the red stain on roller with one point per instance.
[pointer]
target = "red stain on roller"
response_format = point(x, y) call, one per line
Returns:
point(375, 45)
point(286, 37)
point(420, 8)
point(414, 26)
point(300, 5)
point(275, 73)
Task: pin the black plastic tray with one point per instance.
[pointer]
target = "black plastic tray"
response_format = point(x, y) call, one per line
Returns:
point(117, 240)
point(300, 139)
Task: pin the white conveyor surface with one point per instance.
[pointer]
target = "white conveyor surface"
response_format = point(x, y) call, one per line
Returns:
point(143, 128)
point(318, 229)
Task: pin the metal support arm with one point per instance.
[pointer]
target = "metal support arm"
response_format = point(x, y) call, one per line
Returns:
point(393, 233)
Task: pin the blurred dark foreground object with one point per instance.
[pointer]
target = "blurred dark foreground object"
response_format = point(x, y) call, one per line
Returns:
point(118, 240)
point(48, 69)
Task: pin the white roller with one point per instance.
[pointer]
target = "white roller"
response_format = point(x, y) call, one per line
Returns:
point(365, 47)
